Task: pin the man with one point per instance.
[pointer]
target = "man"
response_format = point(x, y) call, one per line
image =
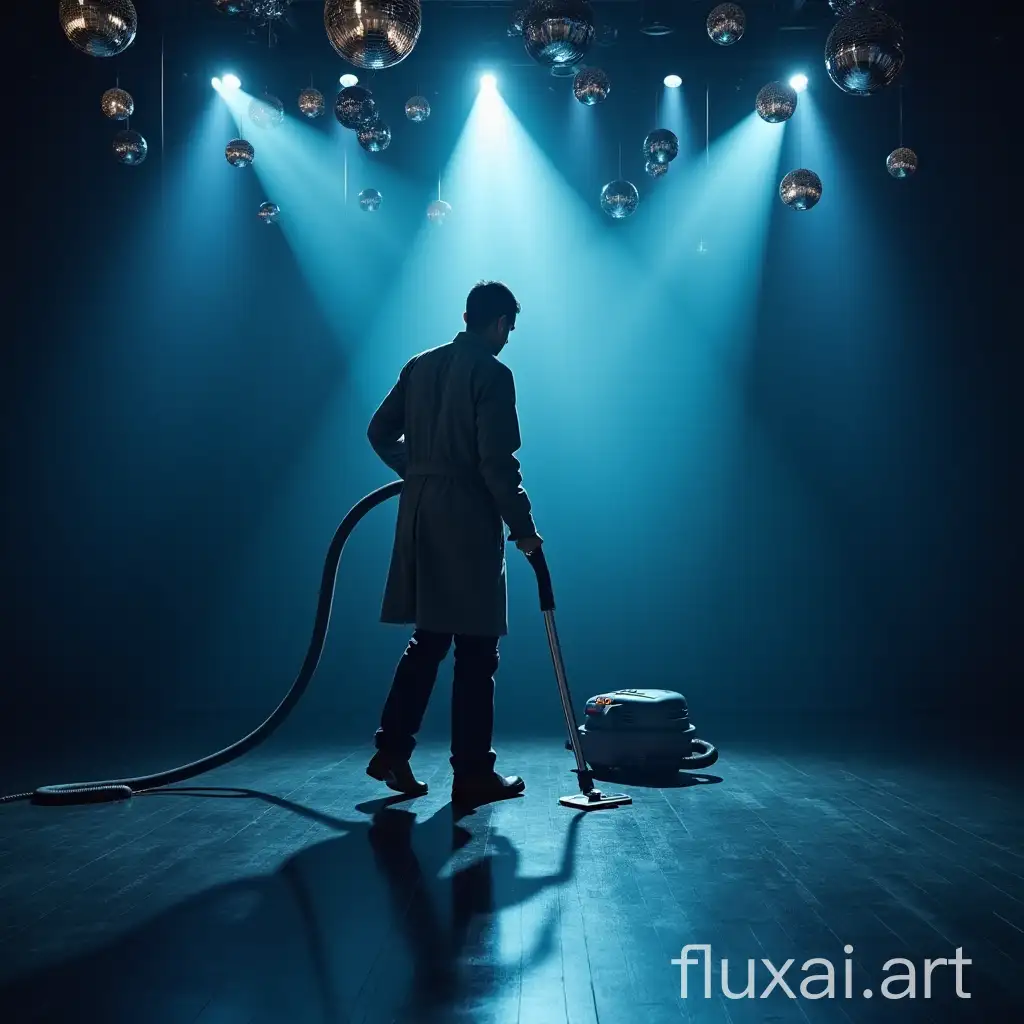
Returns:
point(449, 428)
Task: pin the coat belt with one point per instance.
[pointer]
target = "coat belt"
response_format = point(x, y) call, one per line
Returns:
point(448, 469)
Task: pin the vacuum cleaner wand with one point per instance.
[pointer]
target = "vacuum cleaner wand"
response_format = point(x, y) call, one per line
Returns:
point(589, 798)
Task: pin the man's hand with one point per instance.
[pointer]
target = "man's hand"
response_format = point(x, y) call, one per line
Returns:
point(529, 544)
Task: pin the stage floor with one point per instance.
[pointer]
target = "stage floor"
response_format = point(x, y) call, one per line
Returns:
point(307, 895)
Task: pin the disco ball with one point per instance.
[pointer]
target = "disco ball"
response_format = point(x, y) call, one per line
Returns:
point(355, 107)
point(266, 111)
point(661, 146)
point(654, 169)
point(117, 105)
point(776, 102)
point(130, 148)
point(370, 199)
point(800, 190)
point(620, 199)
point(901, 163)
point(591, 86)
point(417, 109)
point(269, 212)
point(515, 26)
point(311, 102)
point(437, 211)
point(373, 33)
point(844, 8)
point(864, 52)
point(374, 138)
point(232, 6)
point(726, 24)
point(239, 153)
point(262, 11)
point(100, 28)
point(558, 31)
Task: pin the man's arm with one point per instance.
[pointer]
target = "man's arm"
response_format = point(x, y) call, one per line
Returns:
point(497, 442)
point(387, 426)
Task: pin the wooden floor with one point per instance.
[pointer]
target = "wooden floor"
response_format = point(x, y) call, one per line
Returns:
point(304, 896)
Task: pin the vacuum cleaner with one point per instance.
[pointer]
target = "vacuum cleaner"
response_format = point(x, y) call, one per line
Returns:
point(588, 797)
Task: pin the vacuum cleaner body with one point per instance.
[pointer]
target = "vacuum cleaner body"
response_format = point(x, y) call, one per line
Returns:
point(642, 730)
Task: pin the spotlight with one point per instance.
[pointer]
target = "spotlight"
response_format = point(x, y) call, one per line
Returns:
point(227, 82)
point(215, 82)
point(488, 81)
point(798, 82)
point(348, 80)
point(673, 81)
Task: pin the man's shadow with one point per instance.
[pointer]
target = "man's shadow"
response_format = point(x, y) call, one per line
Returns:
point(363, 926)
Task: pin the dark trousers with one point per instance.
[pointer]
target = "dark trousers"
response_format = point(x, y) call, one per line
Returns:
point(476, 661)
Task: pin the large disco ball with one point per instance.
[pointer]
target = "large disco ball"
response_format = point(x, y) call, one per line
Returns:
point(269, 213)
point(100, 28)
point(776, 102)
point(355, 107)
point(619, 199)
point(654, 169)
point(661, 146)
point(266, 111)
point(239, 153)
point(438, 211)
point(130, 148)
point(901, 163)
point(558, 31)
point(311, 103)
point(117, 105)
point(374, 138)
point(726, 24)
point(864, 52)
point(801, 189)
point(370, 199)
point(844, 8)
point(417, 108)
point(591, 86)
point(373, 33)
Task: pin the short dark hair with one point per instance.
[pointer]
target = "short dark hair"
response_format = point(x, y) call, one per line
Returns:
point(487, 302)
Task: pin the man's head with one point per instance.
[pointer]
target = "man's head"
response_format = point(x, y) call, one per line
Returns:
point(491, 311)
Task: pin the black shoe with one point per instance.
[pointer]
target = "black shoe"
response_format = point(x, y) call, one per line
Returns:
point(473, 790)
point(395, 773)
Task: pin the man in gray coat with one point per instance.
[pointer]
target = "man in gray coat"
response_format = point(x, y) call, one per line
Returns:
point(449, 428)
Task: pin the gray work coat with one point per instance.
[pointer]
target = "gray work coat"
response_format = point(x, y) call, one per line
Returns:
point(449, 428)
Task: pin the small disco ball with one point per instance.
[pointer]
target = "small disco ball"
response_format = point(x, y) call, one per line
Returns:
point(417, 109)
point(620, 199)
point(269, 212)
point(844, 8)
point(266, 111)
point(262, 11)
point(776, 102)
point(117, 105)
point(100, 28)
point(355, 107)
point(864, 52)
point(591, 86)
point(515, 26)
point(239, 153)
point(901, 163)
point(654, 169)
point(232, 7)
point(370, 199)
point(726, 24)
point(661, 146)
point(373, 33)
point(437, 211)
point(130, 148)
point(311, 103)
point(800, 190)
point(558, 31)
point(374, 138)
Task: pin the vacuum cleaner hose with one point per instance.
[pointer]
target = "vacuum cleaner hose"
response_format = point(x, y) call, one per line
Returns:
point(121, 789)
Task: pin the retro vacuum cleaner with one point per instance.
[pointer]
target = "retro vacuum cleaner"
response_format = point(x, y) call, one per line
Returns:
point(633, 723)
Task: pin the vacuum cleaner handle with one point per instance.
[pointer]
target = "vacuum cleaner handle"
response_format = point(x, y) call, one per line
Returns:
point(540, 567)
